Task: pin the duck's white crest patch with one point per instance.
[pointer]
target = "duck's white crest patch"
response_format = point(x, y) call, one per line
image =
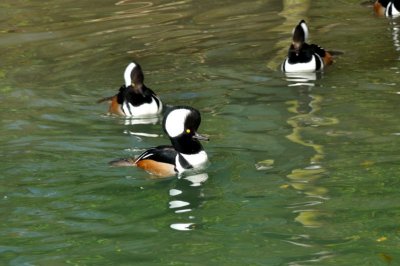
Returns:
point(175, 122)
point(198, 161)
point(305, 29)
point(303, 25)
point(302, 67)
point(127, 74)
point(142, 110)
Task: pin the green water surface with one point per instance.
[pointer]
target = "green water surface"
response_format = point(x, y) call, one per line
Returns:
point(304, 170)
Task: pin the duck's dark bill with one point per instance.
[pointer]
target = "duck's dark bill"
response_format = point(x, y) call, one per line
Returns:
point(200, 137)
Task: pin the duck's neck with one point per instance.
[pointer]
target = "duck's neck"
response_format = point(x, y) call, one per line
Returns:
point(186, 145)
point(303, 55)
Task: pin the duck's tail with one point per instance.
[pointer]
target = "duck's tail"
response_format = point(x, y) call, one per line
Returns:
point(105, 99)
point(123, 162)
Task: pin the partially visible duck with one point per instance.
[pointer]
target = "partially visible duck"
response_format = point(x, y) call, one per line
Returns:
point(304, 57)
point(389, 8)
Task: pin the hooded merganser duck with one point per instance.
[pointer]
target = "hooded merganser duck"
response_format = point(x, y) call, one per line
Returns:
point(304, 57)
point(134, 99)
point(186, 153)
point(389, 8)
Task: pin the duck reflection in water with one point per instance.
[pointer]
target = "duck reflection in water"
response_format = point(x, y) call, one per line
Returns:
point(186, 196)
point(302, 78)
point(304, 82)
point(130, 121)
point(305, 120)
point(308, 208)
point(394, 27)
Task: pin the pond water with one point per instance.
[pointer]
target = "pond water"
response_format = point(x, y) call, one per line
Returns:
point(304, 170)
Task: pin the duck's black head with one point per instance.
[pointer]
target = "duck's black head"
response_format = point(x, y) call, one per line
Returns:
point(300, 35)
point(181, 124)
point(134, 77)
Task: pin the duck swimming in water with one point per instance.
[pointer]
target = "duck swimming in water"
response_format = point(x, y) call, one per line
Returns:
point(186, 152)
point(134, 99)
point(304, 57)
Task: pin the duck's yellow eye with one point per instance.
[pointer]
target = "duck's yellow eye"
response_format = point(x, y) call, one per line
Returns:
point(188, 131)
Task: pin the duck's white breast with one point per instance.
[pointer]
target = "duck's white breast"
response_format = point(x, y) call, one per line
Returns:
point(302, 67)
point(151, 108)
point(198, 161)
